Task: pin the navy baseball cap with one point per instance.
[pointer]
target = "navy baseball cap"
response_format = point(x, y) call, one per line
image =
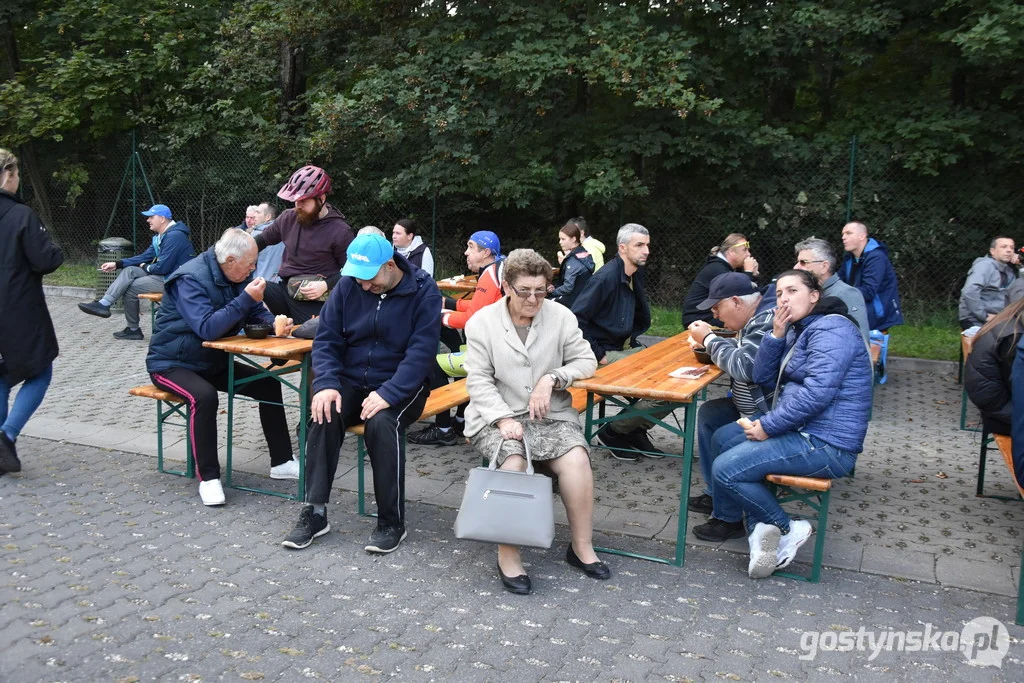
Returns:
point(158, 210)
point(727, 285)
point(365, 255)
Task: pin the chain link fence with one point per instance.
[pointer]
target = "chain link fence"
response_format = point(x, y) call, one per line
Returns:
point(934, 226)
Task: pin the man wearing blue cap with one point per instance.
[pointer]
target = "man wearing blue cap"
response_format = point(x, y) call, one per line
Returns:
point(145, 273)
point(373, 350)
point(483, 256)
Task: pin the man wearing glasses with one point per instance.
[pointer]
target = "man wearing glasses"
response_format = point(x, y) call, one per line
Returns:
point(612, 312)
point(732, 255)
point(817, 258)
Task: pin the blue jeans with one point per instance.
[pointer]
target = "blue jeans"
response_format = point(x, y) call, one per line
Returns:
point(738, 474)
point(711, 416)
point(25, 403)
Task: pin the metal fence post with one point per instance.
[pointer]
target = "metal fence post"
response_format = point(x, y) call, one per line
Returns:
point(433, 227)
point(849, 184)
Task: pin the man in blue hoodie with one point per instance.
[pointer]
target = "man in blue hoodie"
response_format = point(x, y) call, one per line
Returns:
point(373, 351)
point(145, 273)
point(867, 267)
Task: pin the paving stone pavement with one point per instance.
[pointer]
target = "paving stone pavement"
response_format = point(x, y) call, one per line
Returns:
point(114, 572)
point(909, 512)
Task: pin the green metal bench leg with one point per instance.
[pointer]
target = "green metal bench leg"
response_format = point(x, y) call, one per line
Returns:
point(819, 542)
point(1020, 591)
point(361, 476)
point(819, 502)
point(162, 415)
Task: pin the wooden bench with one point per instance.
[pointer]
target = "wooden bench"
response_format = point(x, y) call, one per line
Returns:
point(814, 493)
point(1005, 445)
point(168, 405)
point(154, 299)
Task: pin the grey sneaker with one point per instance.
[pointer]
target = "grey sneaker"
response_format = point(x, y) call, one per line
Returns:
point(309, 526)
point(764, 547)
point(386, 539)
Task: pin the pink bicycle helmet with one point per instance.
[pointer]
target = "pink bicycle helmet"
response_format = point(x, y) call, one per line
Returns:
point(308, 181)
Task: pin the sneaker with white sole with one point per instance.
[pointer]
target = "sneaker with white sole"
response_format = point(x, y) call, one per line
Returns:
point(386, 539)
point(764, 547)
point(309, 526)
point(799, 531)
point(286, 470)
point(211, 492)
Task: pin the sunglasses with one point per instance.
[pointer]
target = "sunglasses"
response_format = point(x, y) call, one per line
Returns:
point(738, 244)
point(527, 293)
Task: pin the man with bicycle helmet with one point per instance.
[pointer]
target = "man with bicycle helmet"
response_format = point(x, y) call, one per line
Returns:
point(315, 237)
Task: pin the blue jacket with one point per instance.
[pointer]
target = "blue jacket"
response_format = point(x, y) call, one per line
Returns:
point(199, 305)
point(826, 385)
point(385, 343)
point(875, 277)
point(1017, 428)
point(166, 252)
point(610, 312)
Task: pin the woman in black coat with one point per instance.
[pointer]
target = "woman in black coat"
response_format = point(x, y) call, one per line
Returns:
point(988, 368)
point(28, 343)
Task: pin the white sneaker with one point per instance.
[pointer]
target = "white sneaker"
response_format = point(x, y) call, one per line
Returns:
point(211, 492)
point(764, 546)
point(799, 531)
point(286, 470)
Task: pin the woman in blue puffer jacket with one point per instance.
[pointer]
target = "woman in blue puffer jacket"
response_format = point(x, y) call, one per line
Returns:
point(818, 361)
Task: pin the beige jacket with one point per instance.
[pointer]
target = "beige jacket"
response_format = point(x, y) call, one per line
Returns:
point(502, 371)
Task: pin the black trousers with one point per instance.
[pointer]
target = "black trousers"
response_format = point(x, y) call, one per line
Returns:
point(199, 391)
point(438, 378)
point(385, 442)
point(277, 300)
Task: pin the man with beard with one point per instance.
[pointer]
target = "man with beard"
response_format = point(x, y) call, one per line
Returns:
point(315, 237)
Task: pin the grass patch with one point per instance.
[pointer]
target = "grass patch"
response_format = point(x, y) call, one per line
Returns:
point(931, 330)
point(72, 275)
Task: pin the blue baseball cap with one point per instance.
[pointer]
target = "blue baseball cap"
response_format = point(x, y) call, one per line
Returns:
point(487, 240)
point(158, 210)
point(365, 255)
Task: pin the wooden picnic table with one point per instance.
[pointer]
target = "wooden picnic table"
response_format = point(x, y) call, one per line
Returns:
point(458, 284)
point(154, 299)
point(645, 375)
point(277, 348)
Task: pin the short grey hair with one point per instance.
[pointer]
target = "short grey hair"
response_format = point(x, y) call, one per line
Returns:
point(233, 242)
point(750, 299)
point(371, 230)
point(820, 248)
point(252, 207)
point(627, 231)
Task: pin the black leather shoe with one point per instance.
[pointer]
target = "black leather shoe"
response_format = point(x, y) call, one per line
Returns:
point(619, 445)
point(520, 585)
point(595, 570)
point(718, 531)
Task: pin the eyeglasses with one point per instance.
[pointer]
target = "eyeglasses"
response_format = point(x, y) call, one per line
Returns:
point(738, 244)
point(805, 262)
point(527, 293)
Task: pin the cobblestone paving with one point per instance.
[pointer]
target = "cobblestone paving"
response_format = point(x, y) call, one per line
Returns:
point(909, 512)
point(113, 572)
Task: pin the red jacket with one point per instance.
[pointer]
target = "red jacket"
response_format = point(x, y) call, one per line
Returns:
point(488, 290)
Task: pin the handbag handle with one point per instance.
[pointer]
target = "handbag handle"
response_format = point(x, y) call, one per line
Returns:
point(493, 464)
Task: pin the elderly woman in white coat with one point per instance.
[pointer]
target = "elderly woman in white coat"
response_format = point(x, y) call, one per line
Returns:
point(523, 354)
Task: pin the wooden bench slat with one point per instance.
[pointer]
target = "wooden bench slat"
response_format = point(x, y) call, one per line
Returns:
point(809, 483)
point(154, 392)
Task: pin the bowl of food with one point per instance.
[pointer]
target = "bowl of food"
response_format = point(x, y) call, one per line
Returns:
point(702, 355)
point(258, 330)
point(723, 332)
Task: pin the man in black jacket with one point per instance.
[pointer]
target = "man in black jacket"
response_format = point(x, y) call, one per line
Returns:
point(613, 310)
point(733, 254)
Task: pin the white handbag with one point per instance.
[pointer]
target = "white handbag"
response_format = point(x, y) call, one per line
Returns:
point(514, 508)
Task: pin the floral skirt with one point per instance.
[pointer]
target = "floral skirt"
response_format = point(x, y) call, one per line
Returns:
point(548, 439)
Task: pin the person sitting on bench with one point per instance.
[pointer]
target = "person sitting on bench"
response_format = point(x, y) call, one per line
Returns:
point(210, 297)
point(822, 370)
point(372, 355)
point(989, 365)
